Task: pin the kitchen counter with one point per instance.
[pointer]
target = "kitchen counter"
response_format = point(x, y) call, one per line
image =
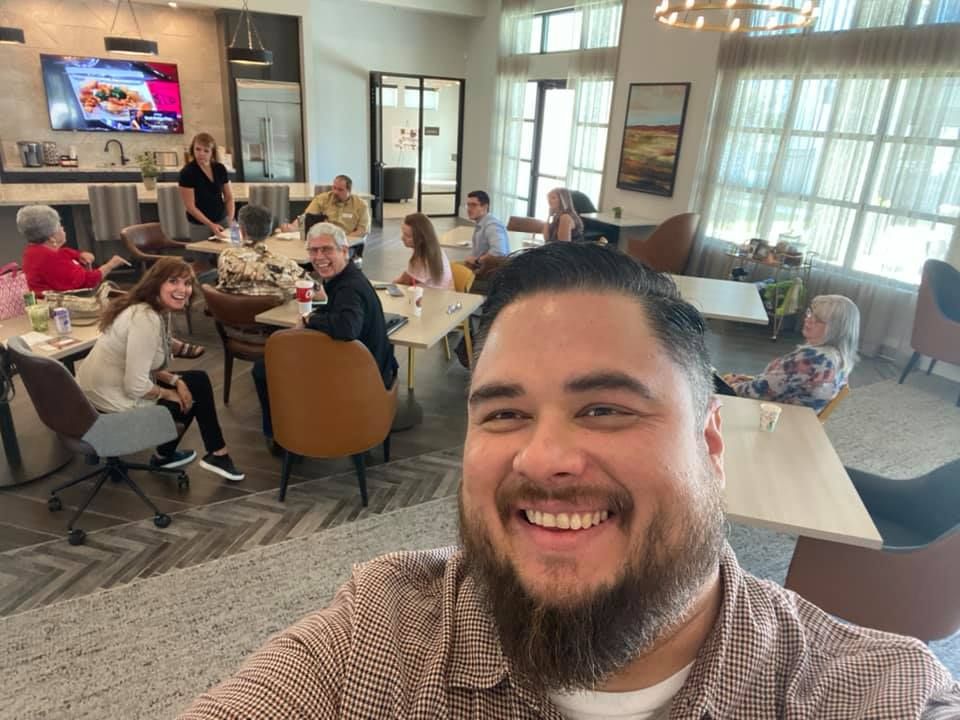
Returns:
point(85, 174)
point(16, 194)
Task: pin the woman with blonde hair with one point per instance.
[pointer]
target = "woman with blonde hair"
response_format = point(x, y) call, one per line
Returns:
point(205, 189)
point(816, 371)
point(429, 264)
point(126, 367)
point(564, 223)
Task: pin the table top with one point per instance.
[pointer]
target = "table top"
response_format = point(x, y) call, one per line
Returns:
point(790, 480)
point(20, 325)
point(76, 193)
point(419, 332)
point(723, 299)
point(625, 221)
point(287, 244)
point(459, 238)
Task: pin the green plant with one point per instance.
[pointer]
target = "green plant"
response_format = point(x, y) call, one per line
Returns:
point(148, 166)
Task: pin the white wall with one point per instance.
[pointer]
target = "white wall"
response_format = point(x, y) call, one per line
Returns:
point(650, 52)
point(480, 100)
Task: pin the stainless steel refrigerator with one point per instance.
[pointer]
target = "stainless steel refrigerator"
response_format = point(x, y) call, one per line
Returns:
point(271, 140)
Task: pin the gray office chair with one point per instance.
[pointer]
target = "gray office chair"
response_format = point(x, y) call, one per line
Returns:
point(113, 207)
point(64, 408)
point(275, 198)
point(173, 215)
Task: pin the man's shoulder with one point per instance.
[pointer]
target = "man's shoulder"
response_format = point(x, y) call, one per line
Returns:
point(822, 663)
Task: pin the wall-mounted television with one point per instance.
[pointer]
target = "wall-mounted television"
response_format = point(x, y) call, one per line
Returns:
point(105, 94)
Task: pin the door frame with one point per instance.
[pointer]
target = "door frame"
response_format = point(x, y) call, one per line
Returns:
point(376, 141)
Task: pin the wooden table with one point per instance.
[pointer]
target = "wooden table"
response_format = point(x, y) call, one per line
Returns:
point(288, 244)
point(419, 333)
point(791, 479)
point(460, 238)
point(46, 453)
point(723, 299)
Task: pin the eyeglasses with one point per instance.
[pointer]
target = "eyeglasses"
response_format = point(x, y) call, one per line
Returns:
point(811, 314)
point(323, 249)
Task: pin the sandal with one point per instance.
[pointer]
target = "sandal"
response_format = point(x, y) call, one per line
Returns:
point(188, 350)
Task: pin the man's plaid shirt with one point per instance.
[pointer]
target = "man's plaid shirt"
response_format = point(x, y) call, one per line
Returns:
point(408, 637)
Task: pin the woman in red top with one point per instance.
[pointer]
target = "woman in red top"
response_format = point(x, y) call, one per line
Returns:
point(49, 265)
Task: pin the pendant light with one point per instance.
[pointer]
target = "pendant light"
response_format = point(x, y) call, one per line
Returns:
point(249, 55)
point(128, 45)
point(10, 35)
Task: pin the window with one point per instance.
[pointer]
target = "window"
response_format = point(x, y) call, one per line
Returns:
point(563, 31)
point(388, 96)
point(431, 98)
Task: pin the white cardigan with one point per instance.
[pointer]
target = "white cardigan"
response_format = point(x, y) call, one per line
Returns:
point(118, 372)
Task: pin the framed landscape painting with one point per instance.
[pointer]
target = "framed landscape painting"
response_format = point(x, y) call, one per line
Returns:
point(652, 133)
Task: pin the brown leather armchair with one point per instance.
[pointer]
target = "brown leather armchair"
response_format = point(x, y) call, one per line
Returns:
point(525, 224)
point(667, 248)
point(936, 324)
point(348, 413)
point(234, 316)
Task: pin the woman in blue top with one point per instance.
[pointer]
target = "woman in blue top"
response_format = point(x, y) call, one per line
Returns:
point(816, 371)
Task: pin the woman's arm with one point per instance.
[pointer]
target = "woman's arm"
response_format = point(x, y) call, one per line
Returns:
point(405, 278)
point(61, 271)
point(143, 339)
point(564, 228)
point(546, 231)
point(228, 199)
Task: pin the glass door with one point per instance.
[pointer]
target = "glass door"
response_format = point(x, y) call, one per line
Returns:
point(553, 130)
point(441, 103)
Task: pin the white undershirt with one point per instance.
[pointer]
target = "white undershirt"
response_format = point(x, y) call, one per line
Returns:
point(647, 704)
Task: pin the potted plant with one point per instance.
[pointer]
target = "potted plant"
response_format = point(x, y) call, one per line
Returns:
point(149, 169)
point(617, 212)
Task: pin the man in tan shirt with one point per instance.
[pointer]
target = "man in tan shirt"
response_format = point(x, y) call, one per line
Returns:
point(341, 207)
point(593, 578)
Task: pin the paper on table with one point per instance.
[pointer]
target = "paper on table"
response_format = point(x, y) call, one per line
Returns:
point(35, 338)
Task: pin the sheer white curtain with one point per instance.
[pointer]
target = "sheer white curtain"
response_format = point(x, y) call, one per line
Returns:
point(591, 75)
point(513, 64)
point(849, 136)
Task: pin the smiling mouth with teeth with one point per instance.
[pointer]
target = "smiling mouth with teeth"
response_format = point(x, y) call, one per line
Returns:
point(566, 521)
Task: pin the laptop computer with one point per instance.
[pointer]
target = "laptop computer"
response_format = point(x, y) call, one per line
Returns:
point(394, 322)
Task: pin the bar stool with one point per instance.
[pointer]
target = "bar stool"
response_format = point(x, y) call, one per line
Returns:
point(275, 198)
point(112, 208)
point(173, 215)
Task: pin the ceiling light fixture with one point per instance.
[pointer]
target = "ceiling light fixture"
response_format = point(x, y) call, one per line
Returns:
point(128, 45)
point(11, 35)
point(249, 55)
point(736, 15)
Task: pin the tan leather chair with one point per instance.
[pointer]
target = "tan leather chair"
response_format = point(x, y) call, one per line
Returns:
point(667, 248)
point(525, 224)
point(462, 282)
point(832, 405)
point(911, 586)
point(936, 324)
point(327, 400)
point(243, 338)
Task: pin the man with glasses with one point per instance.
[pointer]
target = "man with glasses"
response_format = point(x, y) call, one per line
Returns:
point(490, 234)
point(352, 311)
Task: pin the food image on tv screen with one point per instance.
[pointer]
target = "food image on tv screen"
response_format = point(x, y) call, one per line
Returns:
point(105, 94)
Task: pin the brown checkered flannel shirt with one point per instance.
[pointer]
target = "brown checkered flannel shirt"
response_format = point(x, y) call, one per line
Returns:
point(408, 637)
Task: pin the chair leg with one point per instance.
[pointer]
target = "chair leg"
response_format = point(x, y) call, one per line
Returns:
point(386, 448)
point(227, 375)
point(910, 365)
point(361, 469)
point(78, 480)
point(105, 473)
point(932, 363)
point(468, 342)
point(119, 470)
point(446, 346)
point(285, 473)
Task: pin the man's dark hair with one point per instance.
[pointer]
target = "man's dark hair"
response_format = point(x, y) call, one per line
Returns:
point(560, 267)
point(346, 179)
point(256, 222)
point(481, 196)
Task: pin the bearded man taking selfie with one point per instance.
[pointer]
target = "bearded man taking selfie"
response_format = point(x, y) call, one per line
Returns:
point(593, 578)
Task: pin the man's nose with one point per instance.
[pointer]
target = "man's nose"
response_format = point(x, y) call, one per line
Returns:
point(552, 450)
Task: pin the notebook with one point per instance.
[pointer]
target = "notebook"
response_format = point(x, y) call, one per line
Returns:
point(394, 322)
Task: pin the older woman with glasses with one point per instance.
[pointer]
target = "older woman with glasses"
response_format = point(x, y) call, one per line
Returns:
point(816, 371)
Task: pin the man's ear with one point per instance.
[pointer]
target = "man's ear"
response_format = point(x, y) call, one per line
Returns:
point(713, 437)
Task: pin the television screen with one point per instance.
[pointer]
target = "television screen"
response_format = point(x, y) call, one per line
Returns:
point(106, 94)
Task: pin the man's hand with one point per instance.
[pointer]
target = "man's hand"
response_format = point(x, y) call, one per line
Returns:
point(290, 226)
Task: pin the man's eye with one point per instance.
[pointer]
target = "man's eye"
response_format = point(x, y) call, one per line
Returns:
point(602, 411)
point(502, 415)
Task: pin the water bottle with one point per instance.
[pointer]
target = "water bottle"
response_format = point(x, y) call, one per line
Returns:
point(234, 233)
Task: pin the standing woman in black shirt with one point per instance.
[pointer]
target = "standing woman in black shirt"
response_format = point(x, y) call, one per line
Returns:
point(205, 189)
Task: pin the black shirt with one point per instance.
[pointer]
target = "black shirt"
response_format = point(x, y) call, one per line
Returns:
point(207, 195)
point(353, 312)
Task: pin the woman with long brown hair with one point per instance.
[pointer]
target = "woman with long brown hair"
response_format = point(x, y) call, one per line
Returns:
point(429, 264)
point(125, 368)
point(205, 189)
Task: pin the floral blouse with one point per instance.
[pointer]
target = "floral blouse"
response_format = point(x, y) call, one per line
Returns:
point(807, 376)
point(254, 270)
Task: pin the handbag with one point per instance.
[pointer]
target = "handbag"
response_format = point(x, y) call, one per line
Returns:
point(13, 285)
point(84, 305)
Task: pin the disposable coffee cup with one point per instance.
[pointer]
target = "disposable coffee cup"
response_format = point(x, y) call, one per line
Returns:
point(416, 300)
point(304, 296)
point(769, 414)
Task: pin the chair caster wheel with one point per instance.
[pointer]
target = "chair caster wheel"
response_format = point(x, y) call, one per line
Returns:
point(161, 520)
point(54, 504)
point(76, 536)
point(183, 482)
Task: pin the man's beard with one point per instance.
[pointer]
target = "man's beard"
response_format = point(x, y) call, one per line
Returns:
point(580, 642)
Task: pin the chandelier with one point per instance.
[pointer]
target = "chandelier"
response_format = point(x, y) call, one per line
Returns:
point(254, 53)
point(128, 45)
point(736, 15)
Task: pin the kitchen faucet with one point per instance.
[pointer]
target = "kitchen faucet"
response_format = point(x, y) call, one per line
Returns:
point(123, 158)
